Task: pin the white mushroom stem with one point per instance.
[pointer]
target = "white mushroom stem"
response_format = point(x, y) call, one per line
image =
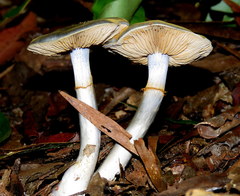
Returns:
point(147, 110)
point(77, 177)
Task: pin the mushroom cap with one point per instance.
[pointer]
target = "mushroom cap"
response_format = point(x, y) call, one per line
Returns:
point(81, 35)
point(142, 39)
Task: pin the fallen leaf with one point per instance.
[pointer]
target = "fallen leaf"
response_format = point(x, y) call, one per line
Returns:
point(120, 114)
point(42, 64)
point(13, 12)
point(4, 182)
point(60, 137)
point(137, 175)
point(231, 77)
point(217, 62)
point(119, 96)
point(96, 186)
point(10, 37)
point(204, 181)
point(202, 192)
point(47, 189)
point(16, 187)
point(219, 124)
point(102, 122)
point(133, 101)
point(152, 143)
point(151, 163)
point(201, 104)
point(230, 139)
point(222, 151)
point(33, 177)
point(56, 105)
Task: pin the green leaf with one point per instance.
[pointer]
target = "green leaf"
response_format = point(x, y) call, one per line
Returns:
point(182, 122)
point(13, 13)
point(139, 16)
point(16, 10)
point(5, 130)
point(98, 7)
point(130, 10)
point(223, 8)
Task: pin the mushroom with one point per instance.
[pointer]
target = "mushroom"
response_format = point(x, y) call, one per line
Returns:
point(156, 44)
point(77, 39)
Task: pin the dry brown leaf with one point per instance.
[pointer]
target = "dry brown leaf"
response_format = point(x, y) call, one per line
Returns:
point(102, 122)
point(34, 176)
point(96, 186)
point(151, 163)
point(201, 192)
point(137, 175)
point(9, 38)
point(206, 181)
point(4, 182)
point(152, 143)
point(202, 103)
point(217, 62)
point(230, 139)
point(47, 189)
point(16, 187)
point(119, 96)
point(231, 77)
point(222, 151)
point(120, 114)
point(42, 64)
point(134, 100)
point(217, 125)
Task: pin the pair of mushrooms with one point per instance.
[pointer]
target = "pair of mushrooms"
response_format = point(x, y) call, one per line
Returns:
point(153, 43)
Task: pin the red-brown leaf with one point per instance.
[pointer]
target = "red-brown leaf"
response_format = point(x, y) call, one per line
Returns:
point(60, 137)
point(151, 163)
point(10, 37)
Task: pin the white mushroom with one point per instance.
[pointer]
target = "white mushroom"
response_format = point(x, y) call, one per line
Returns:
point(77, 39)
point(156, 44)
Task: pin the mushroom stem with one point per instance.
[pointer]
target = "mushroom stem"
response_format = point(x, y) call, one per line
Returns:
point(147, 110)
point(77, 177)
